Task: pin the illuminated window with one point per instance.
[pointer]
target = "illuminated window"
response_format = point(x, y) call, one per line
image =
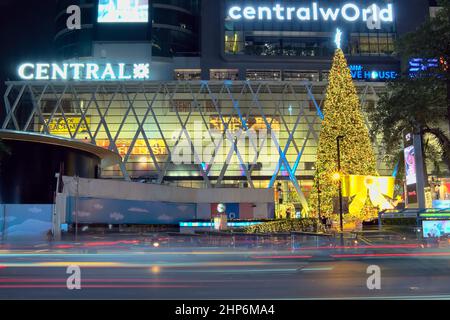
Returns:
point(67, 106)
point(234, 42)
point(259, 75)
point(371, 44)
point(325, 75)
point(299, 75)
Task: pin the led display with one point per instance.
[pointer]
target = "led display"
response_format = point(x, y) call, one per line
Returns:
point(435, 228)
point(122, 11)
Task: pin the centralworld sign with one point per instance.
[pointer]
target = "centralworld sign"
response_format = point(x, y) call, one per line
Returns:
point(374, 15)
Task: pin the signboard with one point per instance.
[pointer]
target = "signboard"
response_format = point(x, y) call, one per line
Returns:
point(373, 15)
point(84, 71)
point(410, 169)
point(416, 184)
point(230, 209)
point(417, 65)
point(59, 126)
point(139, 148)
point(410, 165)
point(122, 11)
point(235, 123)
point(360, 72)
point(187, 106)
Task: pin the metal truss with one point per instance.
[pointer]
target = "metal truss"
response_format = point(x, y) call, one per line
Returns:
point(144, 107)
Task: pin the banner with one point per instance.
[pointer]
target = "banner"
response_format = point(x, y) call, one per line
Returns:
point(139, 148)
point(235, 124)
point(377, 189)
point(59, 126)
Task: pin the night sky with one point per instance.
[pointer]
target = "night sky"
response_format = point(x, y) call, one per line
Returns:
point(27, 31)
point(26, 34)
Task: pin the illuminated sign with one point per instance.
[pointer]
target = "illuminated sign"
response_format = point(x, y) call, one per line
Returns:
point(119, 11)
point(139, 149)
point(373, 15)
point(410, 165)
point(418, 65)
point(359, 73)
point(66, 126)
point(187, 106)
point(84, 71)
point(235, 124)
point(412, 190)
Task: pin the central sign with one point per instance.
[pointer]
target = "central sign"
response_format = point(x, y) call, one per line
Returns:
point(349, 12)
point(84, 71)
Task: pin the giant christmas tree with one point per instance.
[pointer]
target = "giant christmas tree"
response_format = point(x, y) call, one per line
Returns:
point(343, 117)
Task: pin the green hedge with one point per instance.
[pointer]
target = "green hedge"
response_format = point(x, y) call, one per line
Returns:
point(286, 226)
point(399, 222)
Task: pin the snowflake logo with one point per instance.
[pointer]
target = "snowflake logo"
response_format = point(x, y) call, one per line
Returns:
point(141, 71)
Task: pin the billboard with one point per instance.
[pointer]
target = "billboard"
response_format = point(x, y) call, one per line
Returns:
point(64, 126)
point(410, 165)
point(373, 15)
point(113, 211)
point(123, 11)
point(435, 228)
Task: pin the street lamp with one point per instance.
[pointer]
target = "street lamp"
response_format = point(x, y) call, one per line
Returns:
point(319, 204)
point(338, 176)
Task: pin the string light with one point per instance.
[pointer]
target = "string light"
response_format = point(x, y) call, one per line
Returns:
point(343, 117)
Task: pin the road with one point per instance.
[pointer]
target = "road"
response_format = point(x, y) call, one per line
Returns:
point(133, 270)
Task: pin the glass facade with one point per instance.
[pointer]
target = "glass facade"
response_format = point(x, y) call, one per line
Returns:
point(196, 134)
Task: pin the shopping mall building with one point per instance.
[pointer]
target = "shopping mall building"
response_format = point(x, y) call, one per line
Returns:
point(211, 93)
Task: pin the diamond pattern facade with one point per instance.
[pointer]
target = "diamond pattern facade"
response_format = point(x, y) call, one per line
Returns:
point(194, 134)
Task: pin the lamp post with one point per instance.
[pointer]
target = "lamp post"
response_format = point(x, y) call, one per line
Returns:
point(341, 207)
point(319, 191)
point(318, 195)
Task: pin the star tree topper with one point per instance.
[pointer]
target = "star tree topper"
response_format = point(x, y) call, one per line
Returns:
point(338, 38)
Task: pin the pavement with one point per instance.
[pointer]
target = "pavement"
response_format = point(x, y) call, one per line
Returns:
point(166, 267)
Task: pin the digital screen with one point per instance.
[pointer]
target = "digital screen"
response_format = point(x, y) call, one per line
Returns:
point(441, 204)
point(410, 166)
point(435, 229)
point(122, 11)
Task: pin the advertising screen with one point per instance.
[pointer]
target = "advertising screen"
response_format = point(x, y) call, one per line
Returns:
point(435, 229)
point(123, 11)
point(410, 166)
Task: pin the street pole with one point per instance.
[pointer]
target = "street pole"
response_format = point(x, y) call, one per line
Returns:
point(318, 198)
point(77, 179)
point(341, 207)
point(318, 194)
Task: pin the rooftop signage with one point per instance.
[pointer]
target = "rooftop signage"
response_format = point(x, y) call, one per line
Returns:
point(361, 73)
point(84, 71)
point(374, 15)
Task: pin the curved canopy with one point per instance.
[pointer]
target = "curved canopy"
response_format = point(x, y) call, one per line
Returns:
point(107, 157)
